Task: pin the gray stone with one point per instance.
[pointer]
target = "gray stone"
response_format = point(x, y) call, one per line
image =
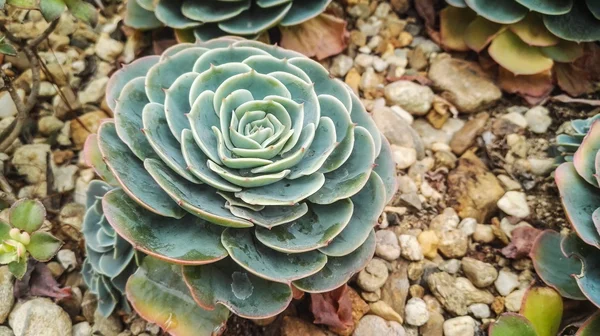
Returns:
point(340, 65)
point(414, 98)
point(40, 316)
point(395, 128)
point(460, 326)
point(514, 203)
point(374, 325)
point(410, 248)
point(456, 294)
point(82, 329)
point(30, 161)
point(372, 277)
point(481, 274)
point(7, 298)
point(480, 310)
point(416, 312)
point(506, 282)
point(110, 326)
point(6, 331)
point(387, 245)
point(538, 119)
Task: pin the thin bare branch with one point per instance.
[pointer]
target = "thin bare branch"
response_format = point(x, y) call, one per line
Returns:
point(36, 41)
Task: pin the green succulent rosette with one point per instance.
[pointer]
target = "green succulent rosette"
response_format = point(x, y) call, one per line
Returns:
point(567, 144)
point(216, 18)
point(110, 259)
point(571, 263)
point(243, 169)
point(526, 37)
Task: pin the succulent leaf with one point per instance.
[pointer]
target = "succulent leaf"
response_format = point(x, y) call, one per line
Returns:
point(27, 215)
point(532, 31)
point(543, 307)
point(43, 246)
point(585, 158)
point(590, 257)
point(564, 51)
point(158, 294)
point(512, 324)
point(252, 152)
point(578, 25)
point(110, 259)
point(556, 269)
point(501, 11)
point(550, 7)
point(508, 50)
point(453, 25)
point(590, 327)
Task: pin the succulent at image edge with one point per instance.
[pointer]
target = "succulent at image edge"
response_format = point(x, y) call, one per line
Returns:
point(526, 37)
point(240, 169)
point(216, 18)
point(52, 9)
point(111, 260)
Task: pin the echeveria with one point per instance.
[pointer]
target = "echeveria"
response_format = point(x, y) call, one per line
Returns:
point(110, 259)
point(53, 9)
point(247, 164)
point(525, 37)
point(21, 237)
point(570, 263)
point(215, 18)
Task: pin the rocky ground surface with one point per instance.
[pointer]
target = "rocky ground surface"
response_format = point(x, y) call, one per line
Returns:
point(473, 173)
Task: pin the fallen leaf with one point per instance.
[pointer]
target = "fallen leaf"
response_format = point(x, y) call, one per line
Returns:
point(531, 87)
point(332, 308)
point(573, 79)
point(563, 98)
point(320, 37)
point(38, 281)
point(521, 243)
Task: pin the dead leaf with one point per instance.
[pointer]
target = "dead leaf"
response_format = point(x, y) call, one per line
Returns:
point(533, 88)
point(333, 308)
point(38, 281)
point(563, 98)
point(573, 79)
point(521, 242)
point(320, 37)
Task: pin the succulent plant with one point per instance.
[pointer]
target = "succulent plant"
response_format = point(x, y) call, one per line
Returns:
point(569, 263)
point(21, 237)
point(567, 144)
point(111, 260)
point(53, 9)
point(247, 164)
point(215, 18)
point(541, 314)
point(525, 37)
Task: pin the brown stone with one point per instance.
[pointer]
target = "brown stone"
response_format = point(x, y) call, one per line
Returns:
point(465, 138)
point(434, 326)
point(293, 326)
point(473, 189)
point(395, 290)
point(85, 125)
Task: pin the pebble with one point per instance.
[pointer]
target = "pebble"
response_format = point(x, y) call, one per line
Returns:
point(508, 183)
point(516, 118)
point(403, 113)
point(514, 203)
point(374, 325)
point(416, 312)
point(447, 220)
point(484, 233)
point(456, 294)
point(465, 138)
point(468, 226)
point(429, 241)
point(9, 108)
point(94, 91)
point(480, 273)
point(464, 84)
point(40, 316)
point(538, 119)
point(403, 156)
point(414, 98)
point(541, 167)
point(91, 121)
point(108, 49)
point(49, 124)
point(340, 65)
point(395, 128)
point(372, 277)
point(382, 309)
point(453, 243)
point(30, 161)
point(110, 326)
point(460, 326)
point(480, 310)
point(387, 245)
point(513, 301)
point(411, 250)
point(506, 282)
point(451, 266)
point(67, 259)
point(434, 326)
point(82, 329)
point(7, 298)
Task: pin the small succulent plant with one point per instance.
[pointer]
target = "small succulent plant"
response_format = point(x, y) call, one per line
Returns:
point(569, 263)
point(216, 18)
point(111, 260)
point(525, 37)
point(248, 165)
point(567, 144)
point(53, 9)
point(21, 237)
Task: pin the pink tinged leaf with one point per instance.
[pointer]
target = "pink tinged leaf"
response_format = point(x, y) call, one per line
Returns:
point(591, 326)
point(585, 157)
point(534, 88)
point(38, 281)
point(320, 37)
point(521, 243)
